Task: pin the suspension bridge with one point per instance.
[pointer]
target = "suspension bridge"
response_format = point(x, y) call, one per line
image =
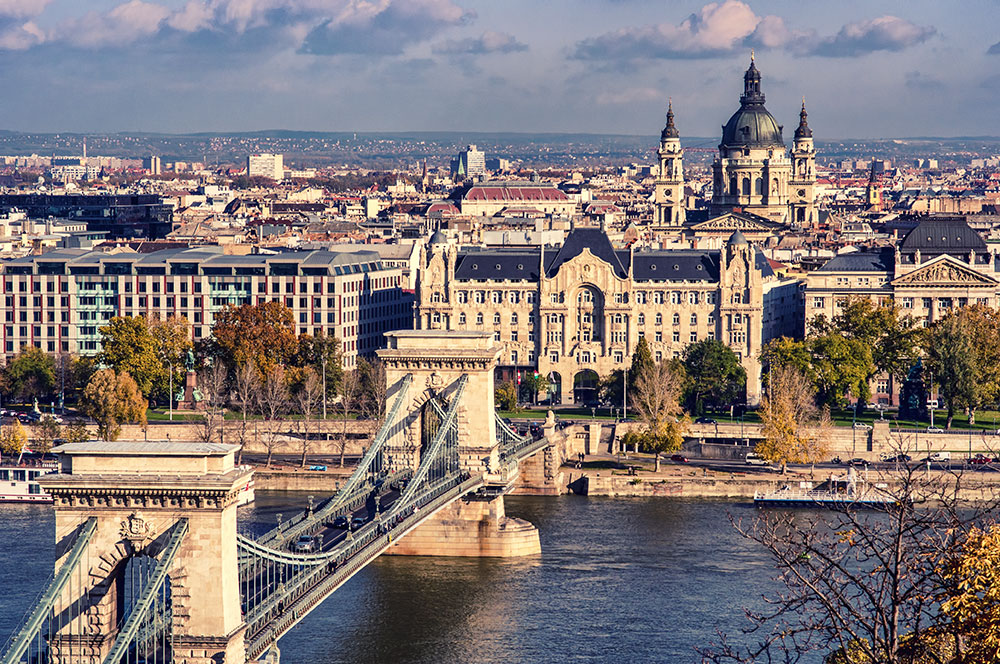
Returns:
point(150, 566)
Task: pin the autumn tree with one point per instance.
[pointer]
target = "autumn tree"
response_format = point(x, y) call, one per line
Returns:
point(245, 393)
point(373, 391)
point(715, 376)
point(786, 352)
point(795, 430)
point(351, 391)
point(31, 374)
point(128, 347)
point(657, 400)
point(13, 438)
point(911, 583)
point(214, 388)
point(112, 398)
point(308, 396)
point(262, 334)
point(505, 397)
point(272, 401)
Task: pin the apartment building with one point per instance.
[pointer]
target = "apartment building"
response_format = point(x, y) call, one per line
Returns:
point(58, 301)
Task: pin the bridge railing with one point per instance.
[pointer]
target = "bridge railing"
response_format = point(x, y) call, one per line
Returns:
point(370, 474)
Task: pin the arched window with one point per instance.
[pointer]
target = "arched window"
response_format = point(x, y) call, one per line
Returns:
point(774, 187)
point(479, 319)
point(642, 319)
point(659, 319)
point(496, 319)
point(513, 319)
point(693, 297)
point(677, 319)
point(746, 186)
point(461, 319)
point(758, 186)
point(694, 319)
point(732, 186)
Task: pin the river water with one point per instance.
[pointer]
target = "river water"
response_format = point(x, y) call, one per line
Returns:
point(618, 580)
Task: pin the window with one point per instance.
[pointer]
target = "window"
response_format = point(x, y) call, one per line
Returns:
point(435, 318)
point(694, 337)
point(513, 319)
point(676, 336)
point(496, 336)
point(463, 297)
point(436, 297)
point(529, 298)
point(818, 302)
point(496, 319)
point(694, 319)
point(693, 297)
point(711, 297)
point(642, 319)
point(677, 319)
point(925, 302)
point(553, 357)
point(658, 297)
point(513, 335)
point(675, 297)
point(513, 357)
point(658, 336)
point(480, 297)
point(479, 319)
point(618, 357)
point(461, 319)
point(497, 297)
point(514, 297)
point(640, 298)
point(659, 319)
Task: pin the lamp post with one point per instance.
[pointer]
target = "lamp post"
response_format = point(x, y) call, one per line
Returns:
point(625, 394)
point(170, 393)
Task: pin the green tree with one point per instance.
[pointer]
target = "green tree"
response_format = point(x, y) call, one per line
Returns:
point(31, 374)
point(611, 386)
point(716, 378)
point(841, 365)
point(894, 338)
point(786, 352)
point(112, 398)
point(951, 358)
point(505, 396)
point(261, 334)
point(127, 346)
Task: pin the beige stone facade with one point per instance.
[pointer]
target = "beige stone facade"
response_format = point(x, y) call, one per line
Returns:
point(576, 312)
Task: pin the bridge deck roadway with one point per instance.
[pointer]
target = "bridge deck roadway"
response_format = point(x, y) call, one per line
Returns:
point(301, 601)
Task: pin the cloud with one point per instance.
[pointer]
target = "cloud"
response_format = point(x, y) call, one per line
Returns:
point(886, 33)
point(717, 29)
point(488, 42)
point(721, 29)
point(123, 24)
point(920, 81)
point(383, 28)
point(994, 50)
point(17, 29)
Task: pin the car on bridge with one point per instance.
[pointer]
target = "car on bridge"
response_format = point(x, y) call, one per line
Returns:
point(357, 522)
point(307, 544)
point(340, 522)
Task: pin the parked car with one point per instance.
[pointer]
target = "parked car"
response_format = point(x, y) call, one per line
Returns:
point(980, 459)
point(678, 458)
point(341, 522)
point(357, 522)
point(705, 420)
point(858, 461)
point(754, 459)
point(862, 425)
point(306, 544)
point(935, 430)
point(901, 458)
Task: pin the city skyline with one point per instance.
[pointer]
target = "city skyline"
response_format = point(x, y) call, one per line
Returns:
point(866, 70)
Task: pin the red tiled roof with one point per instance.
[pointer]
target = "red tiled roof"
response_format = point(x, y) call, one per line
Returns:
point(535, 193)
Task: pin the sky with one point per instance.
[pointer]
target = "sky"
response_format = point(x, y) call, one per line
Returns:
point(867, 69)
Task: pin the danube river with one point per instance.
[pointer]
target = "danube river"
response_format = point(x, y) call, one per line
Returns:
point(618, 580)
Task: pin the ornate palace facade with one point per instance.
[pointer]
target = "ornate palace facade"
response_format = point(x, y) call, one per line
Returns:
point(575, 312)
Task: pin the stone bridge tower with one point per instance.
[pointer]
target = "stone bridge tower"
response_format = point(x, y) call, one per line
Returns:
point(436, 359)
point(139, 492)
